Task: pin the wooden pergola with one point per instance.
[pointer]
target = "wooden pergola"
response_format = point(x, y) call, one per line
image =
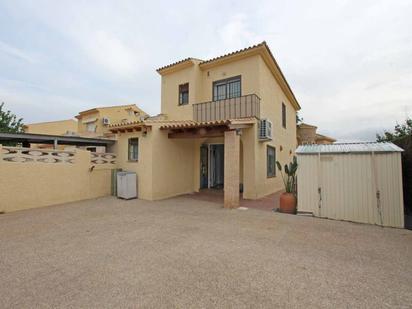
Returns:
point(194, 129)
point(129, 127)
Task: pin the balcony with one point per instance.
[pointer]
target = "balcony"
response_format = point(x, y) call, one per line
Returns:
point(234, 108)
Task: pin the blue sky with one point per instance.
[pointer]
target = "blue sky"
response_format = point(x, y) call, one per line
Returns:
point(348, 62)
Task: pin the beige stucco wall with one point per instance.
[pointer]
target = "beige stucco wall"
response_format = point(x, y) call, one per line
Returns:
point(173, 161)
point(142, 167)
point(115, 114)
point(284, 139)
point(306, 134)
point(170, 92)
point(165, 166)
point(201, 85)
point(248, 68)
point(52, 127)
point(31, 185)
point(256, 78)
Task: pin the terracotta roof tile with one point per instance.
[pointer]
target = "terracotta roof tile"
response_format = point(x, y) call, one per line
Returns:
point(235, 52)
point(176, 63)
point(125, 123)
point(195, 124)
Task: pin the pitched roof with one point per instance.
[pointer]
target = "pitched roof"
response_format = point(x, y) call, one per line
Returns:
point(189, 61)
point(324, 137)
point(47, 122)
point(261, 48)
point(234, 53)
point(125, 123)
point(107, 107)
point(306, 125)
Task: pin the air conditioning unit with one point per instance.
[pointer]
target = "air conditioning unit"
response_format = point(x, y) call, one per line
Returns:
point(106, 121)
point(265, 129)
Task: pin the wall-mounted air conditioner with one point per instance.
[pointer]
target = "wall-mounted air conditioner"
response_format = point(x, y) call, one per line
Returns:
point(265, 130)
point(106, 121)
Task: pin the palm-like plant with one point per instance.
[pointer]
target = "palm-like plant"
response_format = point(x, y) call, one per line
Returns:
point(289, 177)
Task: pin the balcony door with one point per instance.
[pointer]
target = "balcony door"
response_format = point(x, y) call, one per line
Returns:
point(227, 88)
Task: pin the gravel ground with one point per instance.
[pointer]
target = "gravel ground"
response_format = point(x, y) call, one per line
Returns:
point(183, 253)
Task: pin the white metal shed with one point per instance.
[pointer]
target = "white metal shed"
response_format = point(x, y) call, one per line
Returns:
point(360, 182)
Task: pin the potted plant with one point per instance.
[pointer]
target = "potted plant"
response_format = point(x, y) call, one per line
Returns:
point(288, 198)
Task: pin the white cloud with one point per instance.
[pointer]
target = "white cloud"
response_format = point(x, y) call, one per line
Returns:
point(16, 52)
point(236, 33)
point(111, 53)
point(348, 62)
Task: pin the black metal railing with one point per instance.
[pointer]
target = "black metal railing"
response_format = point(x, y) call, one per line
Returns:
point(233, 108)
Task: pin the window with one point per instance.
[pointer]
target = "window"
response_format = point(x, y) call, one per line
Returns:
point(271, 161)
point(91, 127)
point(284, 115)
point(184, 94)
point(227, 88)
point(133, 149)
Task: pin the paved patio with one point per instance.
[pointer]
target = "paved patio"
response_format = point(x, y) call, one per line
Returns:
point(182, 253)
point(268, 202)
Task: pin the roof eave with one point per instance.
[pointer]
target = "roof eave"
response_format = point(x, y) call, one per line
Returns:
point(176, 67)
point(279, 76)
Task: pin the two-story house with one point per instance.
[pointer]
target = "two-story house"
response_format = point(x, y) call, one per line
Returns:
point(307, 134)
point(94, 122)
point(90, 123)
point(224, 123)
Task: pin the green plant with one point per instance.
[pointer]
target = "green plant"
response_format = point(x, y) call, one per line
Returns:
point(289, 177)
point(400, 131)
point(9, 123)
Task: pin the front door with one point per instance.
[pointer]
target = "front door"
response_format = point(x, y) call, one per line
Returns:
point(216, 168)
point(204, 166)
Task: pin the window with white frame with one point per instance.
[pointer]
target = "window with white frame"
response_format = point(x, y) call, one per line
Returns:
point(133, 149)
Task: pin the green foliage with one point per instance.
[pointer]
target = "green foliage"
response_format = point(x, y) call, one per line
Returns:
point(289, 175)
point(400, 131)
point(299, 119)
point(9, 122)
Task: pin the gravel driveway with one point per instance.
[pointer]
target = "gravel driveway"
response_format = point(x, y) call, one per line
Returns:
point(183, 253)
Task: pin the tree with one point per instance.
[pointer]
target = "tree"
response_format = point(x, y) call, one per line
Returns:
point(9, 122)
point(299, 119)
point(400, 131)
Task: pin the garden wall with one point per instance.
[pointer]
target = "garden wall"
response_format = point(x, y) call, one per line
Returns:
point(31, 178)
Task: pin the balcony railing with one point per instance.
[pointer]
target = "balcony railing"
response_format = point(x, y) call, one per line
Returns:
point(240, 107)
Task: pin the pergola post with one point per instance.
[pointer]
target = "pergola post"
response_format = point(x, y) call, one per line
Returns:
point(232, 169)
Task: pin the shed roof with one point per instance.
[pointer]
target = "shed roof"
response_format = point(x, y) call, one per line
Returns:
point(348, 148)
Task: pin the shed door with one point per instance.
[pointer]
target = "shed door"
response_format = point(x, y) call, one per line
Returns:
point(346, 188)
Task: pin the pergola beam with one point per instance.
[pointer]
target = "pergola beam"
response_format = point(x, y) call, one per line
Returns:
point(202, 132)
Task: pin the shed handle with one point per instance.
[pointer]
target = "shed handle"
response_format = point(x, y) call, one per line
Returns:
point(376, 188)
